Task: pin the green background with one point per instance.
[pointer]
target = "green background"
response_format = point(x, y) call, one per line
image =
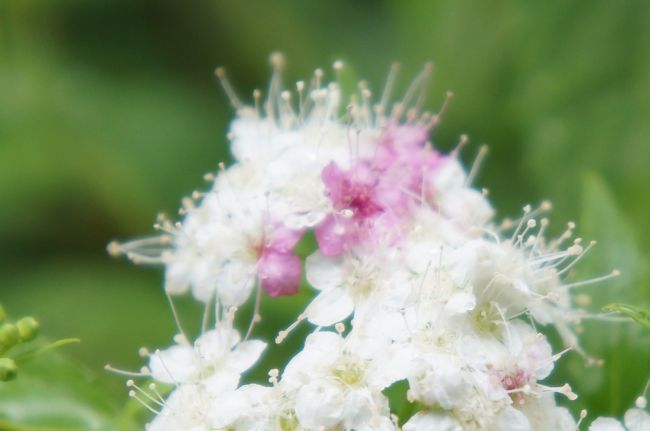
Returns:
point(109, 113)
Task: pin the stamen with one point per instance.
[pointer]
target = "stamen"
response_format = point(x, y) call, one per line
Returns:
point(583, 415)
point(614, 273)
point(132, 394)
point(175, 314)
point(141, 251)
point(273, 376)
point(482, 152)
point(220, 73)
point(282, 335)
point(300, 86)
point(205, 321)
point(256, 312)
point(577, 259)
point(338, 66)
point(461, 144)
point(257, 97)
point(110, 368)
point(436, 118)
point(416, 86)
point(380, 108)
point(132, 384)
point(153, 388)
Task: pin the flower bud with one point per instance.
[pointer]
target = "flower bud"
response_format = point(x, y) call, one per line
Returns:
point(27, 328)
point(9, 336)
point(8, 369)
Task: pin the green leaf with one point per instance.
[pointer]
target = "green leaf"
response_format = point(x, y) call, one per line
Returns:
point(612, 388)
point(638, 314)
point(53, 394)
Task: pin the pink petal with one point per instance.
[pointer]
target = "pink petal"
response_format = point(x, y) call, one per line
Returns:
point(282, 239)
point(333, 178)
point(279, 273)
point(335, 234)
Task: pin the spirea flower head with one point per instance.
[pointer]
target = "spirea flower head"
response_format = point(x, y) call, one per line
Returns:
point(414, 281)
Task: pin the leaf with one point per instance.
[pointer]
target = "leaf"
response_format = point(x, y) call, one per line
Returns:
point(54, 394)
point(624, 349)
point(638, 314)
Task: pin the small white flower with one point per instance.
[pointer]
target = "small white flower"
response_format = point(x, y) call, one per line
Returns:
point(335, 386)
point(217, 359)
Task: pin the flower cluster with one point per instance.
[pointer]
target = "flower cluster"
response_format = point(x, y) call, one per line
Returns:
point(415, 283)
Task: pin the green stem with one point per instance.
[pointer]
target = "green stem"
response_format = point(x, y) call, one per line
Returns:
point(28, 356)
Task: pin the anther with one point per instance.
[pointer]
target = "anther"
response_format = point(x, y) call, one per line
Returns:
point(277, 60)
point(583, 415)
point(114, 249)
point(641, 402)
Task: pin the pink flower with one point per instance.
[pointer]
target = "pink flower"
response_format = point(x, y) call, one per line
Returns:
point(373, 197)
point(403, 151)
point(278, 267)
point(362, 205)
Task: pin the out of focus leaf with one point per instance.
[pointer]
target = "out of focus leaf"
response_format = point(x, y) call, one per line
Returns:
point(638, 314)
point(609, 389)
point(35, 353)
point(53, 394)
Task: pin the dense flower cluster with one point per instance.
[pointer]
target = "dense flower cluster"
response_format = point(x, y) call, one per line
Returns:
point(414, 280)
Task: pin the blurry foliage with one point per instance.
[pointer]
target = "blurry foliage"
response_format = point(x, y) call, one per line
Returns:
point(638, 314)
point(109, 113)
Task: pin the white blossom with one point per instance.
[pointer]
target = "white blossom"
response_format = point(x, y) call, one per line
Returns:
point(414, 281)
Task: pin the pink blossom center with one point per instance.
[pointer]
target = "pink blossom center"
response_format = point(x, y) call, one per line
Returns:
point(515, 381)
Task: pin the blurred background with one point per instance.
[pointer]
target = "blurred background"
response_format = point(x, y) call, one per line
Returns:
point(110, 113)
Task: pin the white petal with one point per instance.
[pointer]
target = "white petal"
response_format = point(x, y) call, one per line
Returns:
point(319, 405)
point(330, 307)
point(461, 302)
point(324, 272)
point(637, 420)
point(217, 343)
point(246, 354)
point(223, 380)
point(235, 282)
point(430, 422)
point(177, 364)
point(606, 424)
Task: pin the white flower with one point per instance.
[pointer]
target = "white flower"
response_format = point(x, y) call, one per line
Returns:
point(217, 359)
point(407, 256)
point(335, 386)
point(348, 283)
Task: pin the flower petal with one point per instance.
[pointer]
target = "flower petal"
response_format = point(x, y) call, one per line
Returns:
point(246, 354)
point(279, 273)
point(330, 307)
point(323, 272)
point(178, 364)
